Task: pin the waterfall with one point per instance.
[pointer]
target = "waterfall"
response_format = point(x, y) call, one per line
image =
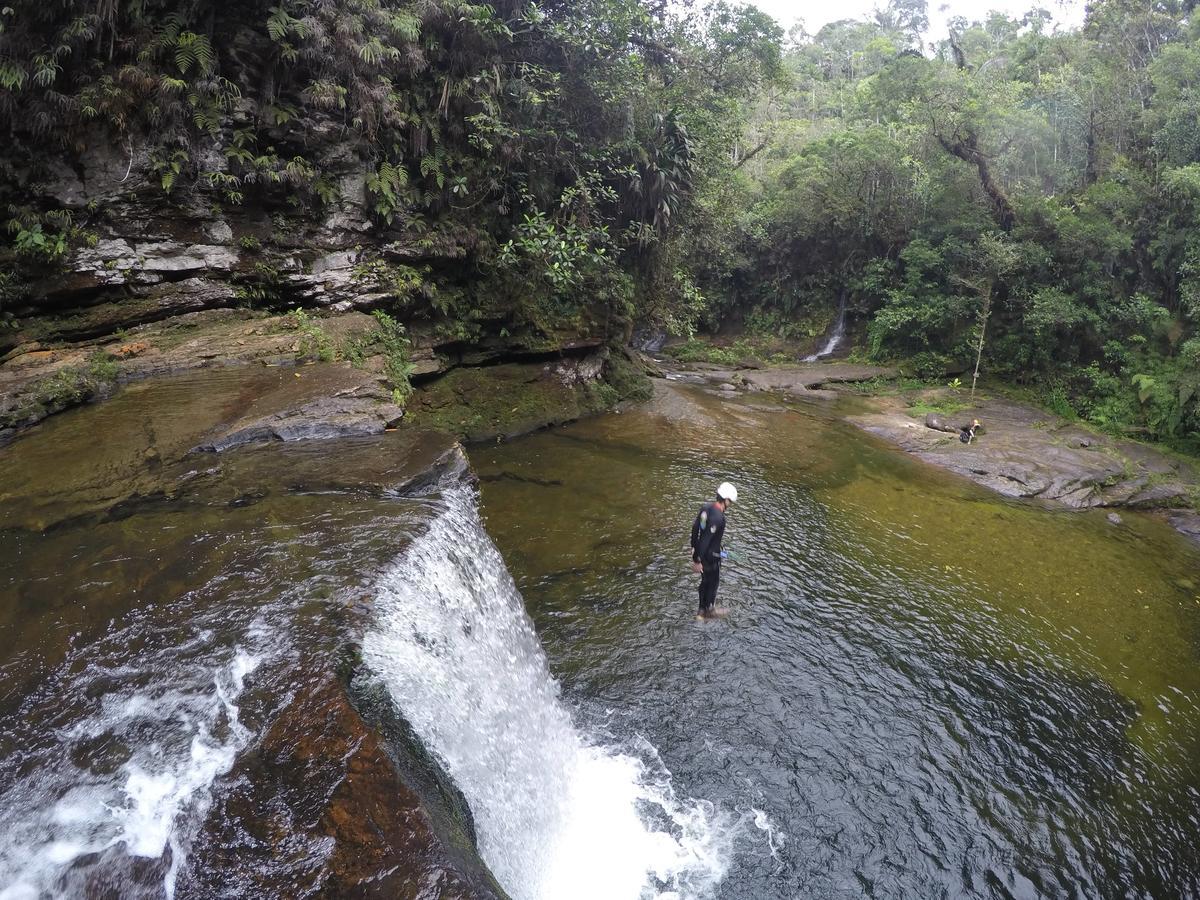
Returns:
point(835, 336)
point(557, 815)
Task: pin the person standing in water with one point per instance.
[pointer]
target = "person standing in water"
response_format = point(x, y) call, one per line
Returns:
point(707, 531)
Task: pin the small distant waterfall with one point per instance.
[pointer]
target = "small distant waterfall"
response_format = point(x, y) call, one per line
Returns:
point(835, 336)
point(557, 815)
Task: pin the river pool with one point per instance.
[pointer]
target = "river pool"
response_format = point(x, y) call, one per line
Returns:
point(921, 690)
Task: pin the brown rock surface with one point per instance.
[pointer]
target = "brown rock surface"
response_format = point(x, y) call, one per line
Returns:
point(1030, 453)
point(314, 404)
point(320, 808)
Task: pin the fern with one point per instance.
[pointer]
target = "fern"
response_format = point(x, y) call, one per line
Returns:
point(278, 23)
point(12, 76)
point(45, 69)
point(327, 191)
point(405, 26)
point(386, 184)
point(431, 164)
point(299, 170)
point(373, 52)
point(193, 49)
point(281, 25)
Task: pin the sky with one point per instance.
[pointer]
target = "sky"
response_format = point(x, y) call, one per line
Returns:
point(816, 13)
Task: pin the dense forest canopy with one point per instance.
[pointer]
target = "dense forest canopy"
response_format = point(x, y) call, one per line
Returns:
point(1009, 192)
point(567, 137)
point(1043, 184)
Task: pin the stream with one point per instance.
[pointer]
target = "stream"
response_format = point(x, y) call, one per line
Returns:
point(922, 690)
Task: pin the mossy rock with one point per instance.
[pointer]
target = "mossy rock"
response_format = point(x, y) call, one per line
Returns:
point(504, 401)
point(627, 377)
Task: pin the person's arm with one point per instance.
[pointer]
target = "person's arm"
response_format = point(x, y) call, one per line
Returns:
point(711, 535)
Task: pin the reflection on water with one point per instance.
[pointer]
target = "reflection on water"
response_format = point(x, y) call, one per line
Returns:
point(930, 690)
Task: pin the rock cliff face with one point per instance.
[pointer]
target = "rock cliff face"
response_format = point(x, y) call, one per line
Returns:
point(147, 255)
point(163, 282)
point(165, 286)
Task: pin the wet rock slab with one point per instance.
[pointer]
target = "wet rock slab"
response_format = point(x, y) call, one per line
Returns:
point(1032, 454)
point(330, 403)
point(31, 375)
point(804, 381)
point(143, 445)
point(321, 808)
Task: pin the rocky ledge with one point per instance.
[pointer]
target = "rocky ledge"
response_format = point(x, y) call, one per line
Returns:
point(1029, 453)
point(368, 814)
point(335, 796)
point(1024, 452)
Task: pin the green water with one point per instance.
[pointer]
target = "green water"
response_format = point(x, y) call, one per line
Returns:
point(980, 696)
point(922, 689)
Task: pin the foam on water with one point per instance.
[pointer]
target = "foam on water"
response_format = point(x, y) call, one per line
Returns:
point(179, 740)
point(557, 815)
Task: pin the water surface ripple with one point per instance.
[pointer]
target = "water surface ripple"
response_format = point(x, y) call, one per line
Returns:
point(930, 692)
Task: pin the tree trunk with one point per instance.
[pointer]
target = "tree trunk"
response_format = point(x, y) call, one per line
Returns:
point(1090, 173)
point(984, 313)
point(967, 149)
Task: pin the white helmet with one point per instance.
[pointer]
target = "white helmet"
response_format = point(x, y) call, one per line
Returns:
point(727, 492)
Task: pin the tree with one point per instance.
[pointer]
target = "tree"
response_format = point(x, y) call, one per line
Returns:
point(994, 259)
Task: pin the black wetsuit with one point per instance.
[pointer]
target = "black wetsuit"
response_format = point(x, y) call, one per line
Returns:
point(707, 531)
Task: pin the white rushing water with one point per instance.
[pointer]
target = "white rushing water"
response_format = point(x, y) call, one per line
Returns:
point(835, 337)
point(557, 815)
point(175, 738)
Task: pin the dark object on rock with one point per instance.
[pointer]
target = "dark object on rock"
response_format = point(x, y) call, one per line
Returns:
point(1084, 443)
point(751, 362)
point(937, 423)
point(966, 433)
point(1114, 518)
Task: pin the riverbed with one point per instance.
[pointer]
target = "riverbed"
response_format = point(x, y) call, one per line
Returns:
point(922, 689)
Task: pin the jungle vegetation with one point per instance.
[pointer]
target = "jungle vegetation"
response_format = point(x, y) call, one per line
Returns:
point(1031, 191)
point(1008, 193)
point(567, 138)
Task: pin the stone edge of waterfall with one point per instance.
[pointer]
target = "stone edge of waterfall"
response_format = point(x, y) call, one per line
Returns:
point(449, 815)
point(372, 811)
